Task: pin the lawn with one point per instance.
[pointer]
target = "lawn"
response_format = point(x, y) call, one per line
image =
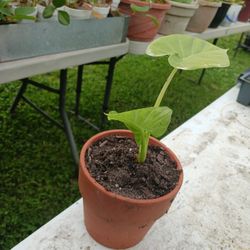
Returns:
point(36, 175)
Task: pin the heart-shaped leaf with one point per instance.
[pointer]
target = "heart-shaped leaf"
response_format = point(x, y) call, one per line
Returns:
point(143, 123)
point(188, 53)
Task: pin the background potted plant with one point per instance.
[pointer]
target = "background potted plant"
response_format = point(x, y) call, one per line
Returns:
point(10, 14)
point(244, 14)
point(78, 9)
point(203, 16)
point(232, 14)
point(222, 11)
point(114, 215)
point(101, 8)
point(145, 17)
point(32, 4)
point(56, 7)
point(178, 16)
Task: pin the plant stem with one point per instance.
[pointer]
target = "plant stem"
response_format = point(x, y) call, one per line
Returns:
point(164, 88)
point(143, 148)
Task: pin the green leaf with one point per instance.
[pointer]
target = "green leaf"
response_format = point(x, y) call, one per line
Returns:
point(48, 11)
point(22, 17)
point(136, 8)
point(154, 19)
point(154, 120)
point(143, 123)
point(24, 11)
point(4, 3)
point(188, 53)
point(5, 11)
point(63, 17)
point(58, 3)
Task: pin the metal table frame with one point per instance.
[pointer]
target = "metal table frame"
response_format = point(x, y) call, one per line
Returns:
point(25, 68)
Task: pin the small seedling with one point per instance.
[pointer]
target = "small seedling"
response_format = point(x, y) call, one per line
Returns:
point(185, 53)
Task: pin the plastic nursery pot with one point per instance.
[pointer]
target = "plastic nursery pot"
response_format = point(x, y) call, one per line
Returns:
point(141, 27)
point(220, 15)
point(177, 18)
point(113, 220)
point(232, 15)
point(102, 11)
point(203, 16)
point(78, 13)
point(244, 14)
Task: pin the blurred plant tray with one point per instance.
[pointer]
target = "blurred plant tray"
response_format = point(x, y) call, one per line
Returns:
point(25, 40)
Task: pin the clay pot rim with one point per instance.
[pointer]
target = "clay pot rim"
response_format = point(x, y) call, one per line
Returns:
point(163, 6)
point(120, 197)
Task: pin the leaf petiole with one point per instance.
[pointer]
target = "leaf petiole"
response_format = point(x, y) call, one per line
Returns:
point(164, 88)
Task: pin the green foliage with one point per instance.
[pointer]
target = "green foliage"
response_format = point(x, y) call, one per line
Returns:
point(23, 11)
point(9, 14)
point(183, 1)
point(185, 52)
point(143, 10)
point(59, 3)
point(48, 11)
point(135, 8)
point(62, 16)
point(144, 122)
point(188, 53)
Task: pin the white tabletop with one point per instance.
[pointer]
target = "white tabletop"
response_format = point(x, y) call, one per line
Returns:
point(212, 210)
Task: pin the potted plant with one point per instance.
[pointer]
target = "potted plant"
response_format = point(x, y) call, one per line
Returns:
point(78, 9)
point(27, 4)
point(145, 17)
point(203, 16)
point(232, 14)
point(125, 187)
point(222, 11)
point(56, 8)
point(12, 14)
point(244, 14)
point(101, 8)
point(178, 16)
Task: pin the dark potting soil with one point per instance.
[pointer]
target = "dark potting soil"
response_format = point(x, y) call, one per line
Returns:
point(112, 162)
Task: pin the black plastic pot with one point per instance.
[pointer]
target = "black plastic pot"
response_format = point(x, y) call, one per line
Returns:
point(220, 15)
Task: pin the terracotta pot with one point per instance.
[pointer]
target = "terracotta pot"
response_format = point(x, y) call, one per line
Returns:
point(203, 16)
point(220, 15)
point(113, 220)
point(141, 27)
point(177, 18)
point(244, 15)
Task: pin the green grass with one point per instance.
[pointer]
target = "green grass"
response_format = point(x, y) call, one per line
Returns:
point(35, 162)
